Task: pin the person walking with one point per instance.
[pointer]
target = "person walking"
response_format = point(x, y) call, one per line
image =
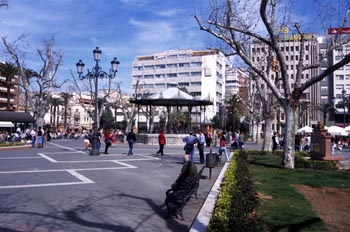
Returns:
point(223, 147)
point(33, 137)
point(241, 140)
point(40, 138)
point(108, 141)
point(200, 146)
point(274, 141)
point(114, 137)
point(131, 138)
point(190, 141)
point(162, 142)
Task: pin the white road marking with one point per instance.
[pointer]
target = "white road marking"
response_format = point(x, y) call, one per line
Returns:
point(84, 179)
point(41, 185)
point(48, 158)
point(5, 158)
point(68, 148)
point(74, 172)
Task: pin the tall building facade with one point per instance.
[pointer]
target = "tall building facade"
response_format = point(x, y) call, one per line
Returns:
point(290, 47)
point(201, 72)
point(335, 88)
point(235, 79)
point(9, 100)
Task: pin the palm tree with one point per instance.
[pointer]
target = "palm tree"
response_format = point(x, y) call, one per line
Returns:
point(29, 73)
point(66, 97)
point(326, 109)
point(8, 70)
point(55, 102)
point(303, 109)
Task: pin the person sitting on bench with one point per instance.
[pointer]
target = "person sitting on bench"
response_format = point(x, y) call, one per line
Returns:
point(187, 174)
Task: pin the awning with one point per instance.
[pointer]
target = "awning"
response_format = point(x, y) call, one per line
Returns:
point(6, 124)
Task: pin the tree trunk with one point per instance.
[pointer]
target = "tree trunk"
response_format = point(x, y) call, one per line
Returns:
point(267, 144)
point(289, 138)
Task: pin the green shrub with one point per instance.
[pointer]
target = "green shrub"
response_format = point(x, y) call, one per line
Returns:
point(220, 218)
point(11, 144)
point(302, 160)
point(237, 202)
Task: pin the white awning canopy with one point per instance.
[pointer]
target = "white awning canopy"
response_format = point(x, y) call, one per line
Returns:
point(6, 124)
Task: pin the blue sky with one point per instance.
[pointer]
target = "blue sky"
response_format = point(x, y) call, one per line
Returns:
point(121, 28)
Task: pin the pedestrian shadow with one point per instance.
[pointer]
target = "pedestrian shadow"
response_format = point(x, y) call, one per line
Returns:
point(171, 223)
point(72, 215)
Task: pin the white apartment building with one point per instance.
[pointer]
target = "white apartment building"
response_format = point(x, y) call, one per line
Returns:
point(290, 47)
point(234, 79)
point(201, 72)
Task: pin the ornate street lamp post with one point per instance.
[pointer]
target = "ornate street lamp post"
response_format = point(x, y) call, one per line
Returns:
point(95, 74)
point(343, 92)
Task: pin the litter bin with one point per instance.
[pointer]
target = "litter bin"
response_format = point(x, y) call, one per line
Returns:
point(210, 161)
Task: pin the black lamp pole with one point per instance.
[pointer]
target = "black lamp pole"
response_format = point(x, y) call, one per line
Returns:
point(343, 95)
point(95, 74)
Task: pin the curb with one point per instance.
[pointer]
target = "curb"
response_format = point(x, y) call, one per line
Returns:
point(9, 148)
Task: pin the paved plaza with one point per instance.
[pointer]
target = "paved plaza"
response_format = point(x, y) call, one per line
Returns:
point(62, 188)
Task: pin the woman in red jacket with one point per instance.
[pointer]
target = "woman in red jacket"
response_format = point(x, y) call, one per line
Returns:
point(162, 142)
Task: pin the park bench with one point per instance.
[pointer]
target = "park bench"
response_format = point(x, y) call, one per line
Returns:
point(176, 199)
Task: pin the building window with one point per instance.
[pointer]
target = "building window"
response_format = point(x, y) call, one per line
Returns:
point(148, 76)
point(306, 57)
point(196, 74)
point(171, 65)
point(137, 67)
point(324, 88)
point(339, 77)
point(172, 56)
point(196, 84)
point(183, 74)
point(171, 75)
point(196, 64)
point(184, 64)
point(160, 66)
point(148, 67)
point(160, 75)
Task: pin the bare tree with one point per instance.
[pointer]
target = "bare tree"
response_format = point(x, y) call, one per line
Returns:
point(235, 24)
point(44, 80)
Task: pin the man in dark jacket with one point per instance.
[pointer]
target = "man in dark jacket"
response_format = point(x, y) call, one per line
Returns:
point(131, 138)
point(187, 175)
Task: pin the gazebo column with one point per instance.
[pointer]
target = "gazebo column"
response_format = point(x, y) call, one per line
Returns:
point(189, 118)
point(168, 126)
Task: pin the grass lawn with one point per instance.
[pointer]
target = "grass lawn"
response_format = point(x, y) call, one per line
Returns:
point(284, 209)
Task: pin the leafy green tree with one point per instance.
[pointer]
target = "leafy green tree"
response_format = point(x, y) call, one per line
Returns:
point(107, 118)
point(235, 110)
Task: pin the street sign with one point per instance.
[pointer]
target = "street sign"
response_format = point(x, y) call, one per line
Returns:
point(337, 30)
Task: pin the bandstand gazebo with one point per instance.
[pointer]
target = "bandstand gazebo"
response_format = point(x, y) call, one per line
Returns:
point(173, 97)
